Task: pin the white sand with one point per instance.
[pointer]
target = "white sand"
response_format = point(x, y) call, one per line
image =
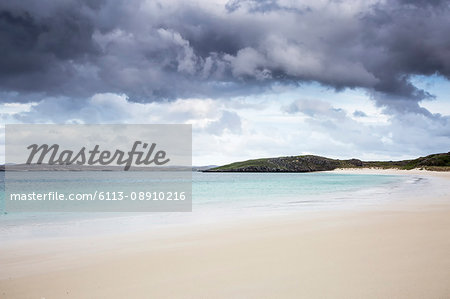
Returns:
point(394, 251)
point(444, 174)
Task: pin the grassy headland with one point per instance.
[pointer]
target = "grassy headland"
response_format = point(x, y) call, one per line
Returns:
point(309, 163)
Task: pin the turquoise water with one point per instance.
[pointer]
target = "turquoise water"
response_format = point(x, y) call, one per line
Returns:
point(241, 188)
point(210, 189)
point(215, 196)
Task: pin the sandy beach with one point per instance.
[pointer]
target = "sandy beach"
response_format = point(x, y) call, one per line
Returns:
point(395, 250)
point(225, 149)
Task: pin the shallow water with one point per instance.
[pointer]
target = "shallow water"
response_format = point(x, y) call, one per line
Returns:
point(215, 197)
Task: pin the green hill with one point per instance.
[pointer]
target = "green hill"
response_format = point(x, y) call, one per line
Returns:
point(310, 163)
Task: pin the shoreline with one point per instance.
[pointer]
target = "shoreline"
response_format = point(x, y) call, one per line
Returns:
point(391, 171)
point(74, 225)
point(392, 250)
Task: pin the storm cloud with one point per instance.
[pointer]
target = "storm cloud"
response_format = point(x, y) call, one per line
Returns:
point(157, 50)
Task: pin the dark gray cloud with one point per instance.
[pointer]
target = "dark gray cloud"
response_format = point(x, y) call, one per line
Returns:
point(405, 39)
point(41, 50)
point(153, 50)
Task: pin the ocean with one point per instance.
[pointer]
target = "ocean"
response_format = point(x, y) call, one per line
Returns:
point(216, 197)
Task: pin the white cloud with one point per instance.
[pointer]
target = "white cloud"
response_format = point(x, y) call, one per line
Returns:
point(276, 124)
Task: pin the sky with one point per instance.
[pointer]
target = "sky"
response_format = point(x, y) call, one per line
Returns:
point(339, 78)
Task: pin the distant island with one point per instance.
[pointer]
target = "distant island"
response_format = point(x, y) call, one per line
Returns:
point(310, 163)
point(47, 167)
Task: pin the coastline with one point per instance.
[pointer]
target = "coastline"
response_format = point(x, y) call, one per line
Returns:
point(394, 250)
point(392, 171)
